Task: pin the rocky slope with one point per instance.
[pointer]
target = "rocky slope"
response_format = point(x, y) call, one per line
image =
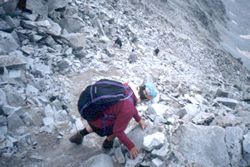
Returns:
point(200, 118)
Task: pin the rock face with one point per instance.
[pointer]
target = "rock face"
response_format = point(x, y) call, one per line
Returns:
point(201, 116)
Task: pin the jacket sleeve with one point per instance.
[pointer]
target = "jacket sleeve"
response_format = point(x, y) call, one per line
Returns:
point(121, 123)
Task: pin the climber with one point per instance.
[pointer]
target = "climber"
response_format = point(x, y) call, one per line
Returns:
point(123, 111)
point(118, 42)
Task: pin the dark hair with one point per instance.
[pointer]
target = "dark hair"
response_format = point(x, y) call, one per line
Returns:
point(141, 92)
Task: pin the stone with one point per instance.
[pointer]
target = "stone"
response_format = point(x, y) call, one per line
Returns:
point(10, 6)
point(136, 135)
point(11, 61)
point(38, 7)
point(156, 162)
point(76, 40)
point(3, 99)
point(231, 103)
point(8, 110)
point(158, 109)
point(14, 122)
point(132, 58)
point(29, 50)
point(221, 93)
point(203, 118)
point(134, 162)
point(7, 43)
point(119, 155)
point(101, 160)
point(191, 109)
point(60, 116)
point(234, 136)
point(153, 141)
point(246, 147)
point(31, 90)
point(203, 145)
point(54, 4)
point(162, 152)
point(72, 24)
point(15, 99)
point(7, 24)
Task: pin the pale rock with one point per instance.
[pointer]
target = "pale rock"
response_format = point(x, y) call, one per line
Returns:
point(153, 141)
point(227, 102)
point(119, 155)
point(191, 109)
point(203, 118)
point(31, 90)
point(14, 122)
point(156, 162)
point(234, 136)
point(158, 109)
point(246, 147)
point(76, 40)
point(162, 152)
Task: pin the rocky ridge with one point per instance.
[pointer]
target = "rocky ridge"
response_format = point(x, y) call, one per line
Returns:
point(200, 118)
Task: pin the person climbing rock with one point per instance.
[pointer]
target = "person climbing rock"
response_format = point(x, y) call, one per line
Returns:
point(115, 118)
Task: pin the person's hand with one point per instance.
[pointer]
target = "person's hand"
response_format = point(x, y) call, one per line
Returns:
point(134, 152)
point(143, 124)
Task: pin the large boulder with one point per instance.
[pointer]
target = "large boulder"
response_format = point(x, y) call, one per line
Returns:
point(201, 145)
point(39, 7)
point(7, 43)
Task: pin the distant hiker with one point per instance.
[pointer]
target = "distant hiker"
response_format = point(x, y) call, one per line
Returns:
point(156, 51)
point(113, 120)
point(118, 42)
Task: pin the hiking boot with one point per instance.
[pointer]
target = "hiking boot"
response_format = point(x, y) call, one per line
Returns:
point(77, 138)
point(107, 144)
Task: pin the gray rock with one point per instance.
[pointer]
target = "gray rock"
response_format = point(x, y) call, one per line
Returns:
point(31, 90)
point(14, 122)
point(11, 61)
point(203, 118)
point(54, 4)
point(162, 152)
point(76, 40)
point(227, 102)
point(10, 6)
point(7, 43)
point(220, 93)
point(39, 7)
point(132, 58)
point(119, 155)
point(234, 136)
point(158, 109)
point(156, 162)
point(25, 116)
point(191, 109)
point(8, 110)
point(3, 99)
point(136, 136)
point(7, 24)
point(101, 160)
point(153, 141)
point(72, 24)
point(203, 145)
point(134, 162)
point(15, 99)
point(246, 147)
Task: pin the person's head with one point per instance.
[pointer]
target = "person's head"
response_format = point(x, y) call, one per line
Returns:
point(147, 92)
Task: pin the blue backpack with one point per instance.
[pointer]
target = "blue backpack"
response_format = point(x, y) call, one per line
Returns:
point(100, 95)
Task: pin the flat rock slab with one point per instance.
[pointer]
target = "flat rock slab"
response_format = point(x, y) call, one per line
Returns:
point(11, 61)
